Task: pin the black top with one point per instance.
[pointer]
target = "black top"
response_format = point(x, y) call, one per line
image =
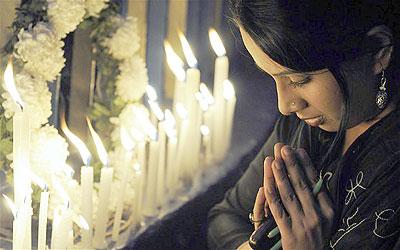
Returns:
point(364, 185)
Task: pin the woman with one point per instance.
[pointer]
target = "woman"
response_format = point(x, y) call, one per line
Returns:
point(336, 68)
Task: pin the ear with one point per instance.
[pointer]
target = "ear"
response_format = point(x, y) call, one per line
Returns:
point(384, 36)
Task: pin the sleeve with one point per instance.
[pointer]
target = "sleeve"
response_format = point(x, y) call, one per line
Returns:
point(228, 224)
point(371, 214)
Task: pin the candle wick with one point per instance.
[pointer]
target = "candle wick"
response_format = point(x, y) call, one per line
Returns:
point(20, 106)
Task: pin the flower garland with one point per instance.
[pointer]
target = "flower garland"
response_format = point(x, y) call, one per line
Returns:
point(124, 80)
point(37, 48)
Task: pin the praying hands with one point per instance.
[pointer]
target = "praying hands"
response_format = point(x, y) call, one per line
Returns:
point(304, 219)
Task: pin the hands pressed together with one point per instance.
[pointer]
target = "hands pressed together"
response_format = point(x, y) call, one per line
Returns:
point(304, 220)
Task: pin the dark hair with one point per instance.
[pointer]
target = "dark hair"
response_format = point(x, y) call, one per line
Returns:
point(309, 35)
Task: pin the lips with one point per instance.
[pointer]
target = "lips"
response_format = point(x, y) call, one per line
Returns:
point(316, 121)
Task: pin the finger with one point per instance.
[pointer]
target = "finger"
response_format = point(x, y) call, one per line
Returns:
point(299, 180)
point(323, 198)
point(286, 192)
point(258, 209)
point(268, 177)
point(274, 202)
point(277, 150)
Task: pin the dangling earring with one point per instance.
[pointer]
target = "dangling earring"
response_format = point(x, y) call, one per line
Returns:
point(382, 96)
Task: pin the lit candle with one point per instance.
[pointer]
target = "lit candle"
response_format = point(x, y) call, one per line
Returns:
point(62, 226)
point(20, 222)
point(100, 224)
point(141, 156)
point(137, 189)
point(175, 63)
point(183, 135)
point(151, 180)
point(159, 114)
point(192, 82)
point(43, 207)
point(21, 138)
point(86, 184)
point(128, 145)
point(151, 98)
point(230, 102)
point(220, 74)
point(171, 167)
point(205, 131)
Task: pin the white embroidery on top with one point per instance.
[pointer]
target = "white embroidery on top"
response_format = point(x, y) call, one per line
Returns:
point(348, 228)
point(351, 191)
point(381, 218)
point(327, 177)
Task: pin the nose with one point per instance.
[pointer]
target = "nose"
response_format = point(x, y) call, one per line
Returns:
point(289, 101)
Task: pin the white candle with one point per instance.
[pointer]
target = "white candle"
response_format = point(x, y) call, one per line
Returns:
point(137, 188)
point(128, 145)
point(87, 204)
point(151, 180)
point(62, 225)
point(100, 225)
point(86, 184)
point(172, 167)
point(220, 74)
point(161, 165)
point(182, 146)
point(21, 139)
point(121, 197)
point(141, 156)
point(205, 131)
point(44, 201)
point(230, 102)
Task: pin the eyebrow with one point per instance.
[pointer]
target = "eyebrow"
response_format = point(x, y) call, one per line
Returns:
point(283, 73)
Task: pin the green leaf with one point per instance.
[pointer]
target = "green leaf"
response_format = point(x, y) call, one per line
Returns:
point(6, 145)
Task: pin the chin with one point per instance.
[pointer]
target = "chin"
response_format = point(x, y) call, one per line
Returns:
point(328, 127)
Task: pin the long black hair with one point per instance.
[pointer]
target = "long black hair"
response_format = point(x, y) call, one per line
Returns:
point(310, 35)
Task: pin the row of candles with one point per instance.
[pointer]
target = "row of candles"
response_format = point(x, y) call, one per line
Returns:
point(171, 149)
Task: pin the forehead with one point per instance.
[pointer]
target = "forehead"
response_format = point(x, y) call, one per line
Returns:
point(262, 60)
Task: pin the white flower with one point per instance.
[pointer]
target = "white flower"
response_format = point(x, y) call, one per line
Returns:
point(135, 119)
point(48, 152)
point(132, 81)
point(65, 15)
point(125, 42)
point(41, 51)
point(36, 96)
point(94, 7)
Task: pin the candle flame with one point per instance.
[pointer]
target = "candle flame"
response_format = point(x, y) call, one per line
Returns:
point(80, 221)
point(68, 170)
point(216, 42)
point(60, 189)
point(228, 90)
point(206, 93)
point(136, 168)
point(11, 205)
point(38, 181)
point(101, 151)
point(169, 118)
point(155, 108)
point(151, 131)
point(10, 84)
point(83, 150)
point(175, 63)
point(126, 140)
point(190, 58)
point(151, 93)
point(204, 130)
point(202, 101)
point(181, 110)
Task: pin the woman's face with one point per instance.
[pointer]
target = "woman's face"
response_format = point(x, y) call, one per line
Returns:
point(315, 97)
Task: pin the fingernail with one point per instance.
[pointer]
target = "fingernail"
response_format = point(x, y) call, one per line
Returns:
point(287, 151)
